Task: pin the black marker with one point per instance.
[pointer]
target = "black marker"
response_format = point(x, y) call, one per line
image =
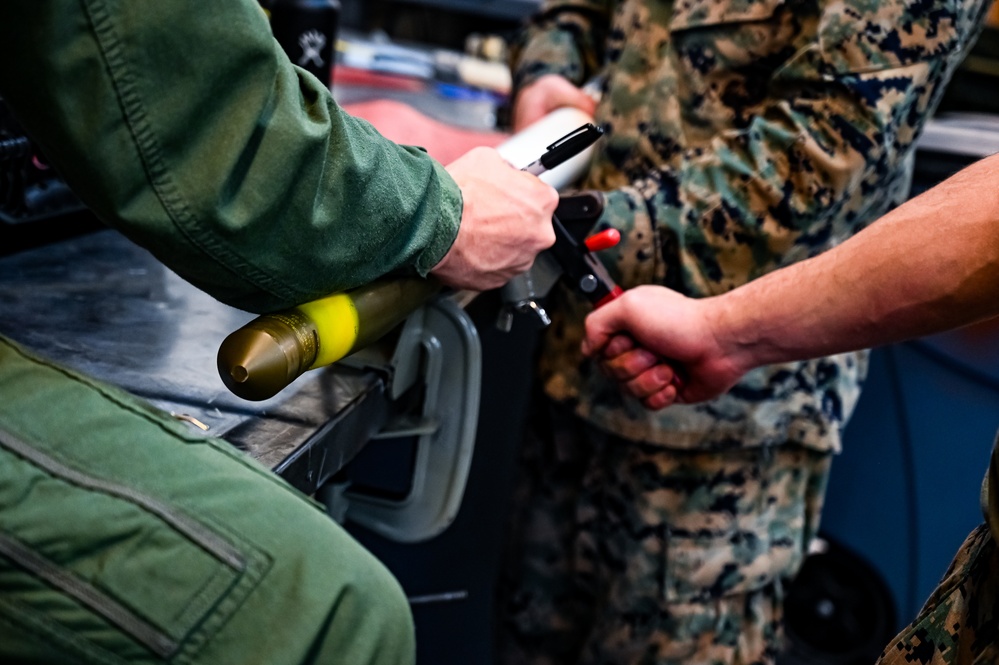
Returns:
point(565, 148)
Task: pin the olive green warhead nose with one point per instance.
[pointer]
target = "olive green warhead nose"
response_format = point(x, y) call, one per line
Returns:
point(263, 357)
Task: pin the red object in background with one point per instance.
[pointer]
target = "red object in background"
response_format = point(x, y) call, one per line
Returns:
point(404, 124)
point(370, 79)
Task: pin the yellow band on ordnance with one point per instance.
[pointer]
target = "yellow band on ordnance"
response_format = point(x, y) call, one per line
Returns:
point(336, 323)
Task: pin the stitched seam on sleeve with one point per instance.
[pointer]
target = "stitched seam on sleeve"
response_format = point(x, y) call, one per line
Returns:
point(134, 115)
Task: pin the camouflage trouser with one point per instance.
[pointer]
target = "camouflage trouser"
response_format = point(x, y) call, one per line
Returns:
point(960, 621)
point(627, 553)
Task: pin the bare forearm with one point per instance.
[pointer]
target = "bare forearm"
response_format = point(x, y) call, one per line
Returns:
point(930, 265)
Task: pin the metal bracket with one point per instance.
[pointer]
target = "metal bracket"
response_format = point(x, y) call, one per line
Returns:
point(438, 346)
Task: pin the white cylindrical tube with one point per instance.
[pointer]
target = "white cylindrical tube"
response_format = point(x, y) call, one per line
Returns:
point(530, 143)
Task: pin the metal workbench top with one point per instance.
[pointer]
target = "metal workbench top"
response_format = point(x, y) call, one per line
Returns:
point(104, 306)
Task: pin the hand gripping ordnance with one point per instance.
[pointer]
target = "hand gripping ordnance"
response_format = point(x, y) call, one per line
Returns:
point(263, 357)
point(571, 258)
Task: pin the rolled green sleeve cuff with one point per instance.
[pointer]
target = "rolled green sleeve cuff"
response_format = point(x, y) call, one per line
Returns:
point(185, 126)
point(443, 234)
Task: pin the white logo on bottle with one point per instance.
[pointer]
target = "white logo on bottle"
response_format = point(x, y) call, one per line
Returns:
point(312, 43)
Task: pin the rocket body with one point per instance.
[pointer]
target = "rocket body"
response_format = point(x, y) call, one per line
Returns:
point(260, 359)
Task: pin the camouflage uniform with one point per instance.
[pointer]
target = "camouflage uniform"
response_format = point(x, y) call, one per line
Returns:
point(960, 622)
point(742, 136)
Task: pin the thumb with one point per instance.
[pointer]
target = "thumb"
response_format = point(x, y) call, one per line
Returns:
point(601, 325)
point(585, 102)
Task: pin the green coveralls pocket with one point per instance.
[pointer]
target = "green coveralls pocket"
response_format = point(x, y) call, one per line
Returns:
point(102, 559)
point(84, 562)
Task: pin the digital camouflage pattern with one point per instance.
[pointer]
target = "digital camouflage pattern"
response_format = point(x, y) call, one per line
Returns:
point(635, 557)
point(959, 624)
point(741, 136)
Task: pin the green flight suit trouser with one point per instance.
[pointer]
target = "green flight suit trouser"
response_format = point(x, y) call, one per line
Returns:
point(126, 538)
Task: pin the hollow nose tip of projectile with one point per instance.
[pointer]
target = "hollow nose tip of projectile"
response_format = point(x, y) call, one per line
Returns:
point(253, 364)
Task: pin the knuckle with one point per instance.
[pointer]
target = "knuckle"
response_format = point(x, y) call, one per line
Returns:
point(553, 197)
point(547, 238)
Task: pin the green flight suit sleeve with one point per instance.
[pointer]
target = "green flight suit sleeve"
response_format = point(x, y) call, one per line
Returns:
point(183, 124)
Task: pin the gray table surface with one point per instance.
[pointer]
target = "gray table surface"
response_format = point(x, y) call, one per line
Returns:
point(104, 306)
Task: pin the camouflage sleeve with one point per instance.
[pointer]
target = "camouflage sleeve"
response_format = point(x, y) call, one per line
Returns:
point(783, 127)
point(566, 38)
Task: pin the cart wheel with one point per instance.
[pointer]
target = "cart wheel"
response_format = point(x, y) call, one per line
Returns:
point(838, 611)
